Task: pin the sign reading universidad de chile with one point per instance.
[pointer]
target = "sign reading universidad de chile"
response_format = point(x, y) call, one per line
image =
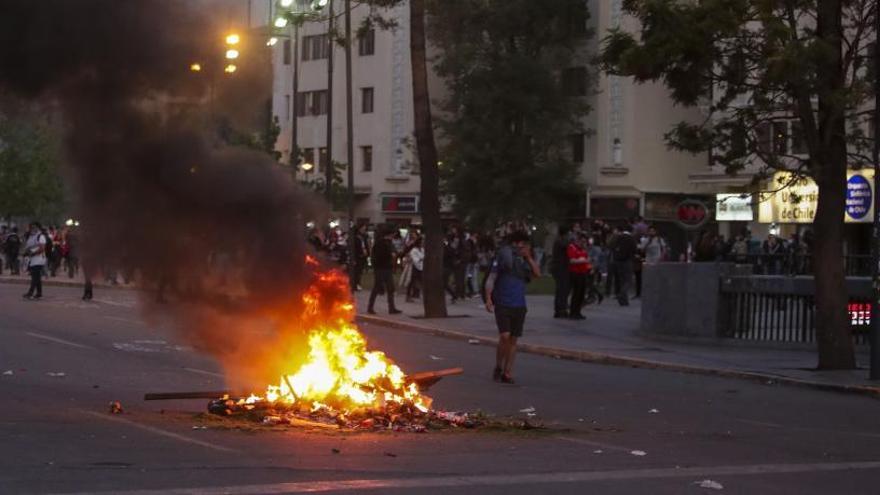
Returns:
point(859, 198)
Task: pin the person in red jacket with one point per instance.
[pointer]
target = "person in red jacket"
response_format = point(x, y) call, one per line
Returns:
point(578, 270)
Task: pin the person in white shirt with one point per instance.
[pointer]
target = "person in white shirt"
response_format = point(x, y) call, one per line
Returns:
point(417, 259)
point(35, 250)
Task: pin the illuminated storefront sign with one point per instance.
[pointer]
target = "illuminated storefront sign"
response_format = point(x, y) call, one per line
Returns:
point(794, 200)
point(733, 208)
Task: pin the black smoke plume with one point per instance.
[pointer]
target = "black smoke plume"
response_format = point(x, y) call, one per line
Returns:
point(215, 231)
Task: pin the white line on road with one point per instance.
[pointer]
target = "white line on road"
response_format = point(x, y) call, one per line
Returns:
point(158, 431)
point(125, 320)
point(57, 340)
point(806, 428)
point(509, 479)
point(591, 443)
point(203, 372)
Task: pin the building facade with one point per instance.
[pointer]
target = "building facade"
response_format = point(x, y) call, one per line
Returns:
point(625, 163)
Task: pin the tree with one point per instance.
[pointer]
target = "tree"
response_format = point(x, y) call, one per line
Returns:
point(751, 63)
point(515, 100)
point(434, 295)
point(30, 184)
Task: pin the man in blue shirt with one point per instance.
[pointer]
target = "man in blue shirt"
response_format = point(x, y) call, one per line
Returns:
point(512, 268)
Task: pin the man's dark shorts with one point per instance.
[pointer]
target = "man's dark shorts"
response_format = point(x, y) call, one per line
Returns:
point(510, 320)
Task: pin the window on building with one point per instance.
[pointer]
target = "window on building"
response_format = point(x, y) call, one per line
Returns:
point(286, 52)
point(366, 100)
point(798, 140)
point(367, 158)
point(320, 102)
point(574, 81)
point(315, 47)
point(322, 160)
point(302, 104)
point(287, 107)
point(577, 148)
point(577, 18)
point(780, 137)
point(367, 43)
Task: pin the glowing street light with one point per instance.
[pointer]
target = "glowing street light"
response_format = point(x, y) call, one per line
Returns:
point(229, 69)
point(196, 67)
point(232, 54)
point(280, 22)
point(286, 3)
point(306, 167)
point(272, 41)
point(232, 39)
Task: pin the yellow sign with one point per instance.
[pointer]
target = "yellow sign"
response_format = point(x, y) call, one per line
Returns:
point(794, 200)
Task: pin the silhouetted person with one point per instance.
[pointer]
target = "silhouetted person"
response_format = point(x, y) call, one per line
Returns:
point(383, 262)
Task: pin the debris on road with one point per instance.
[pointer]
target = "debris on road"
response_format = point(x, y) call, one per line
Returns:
point(389, 454)
point(529, 409)
point(712, 485)
point(639, 453)
point(56, 374)
point(598, 451)
point(8, 372)
point(335, 451)
point(116, 407)
point(653, 411)
point(435, 358)
point(199, 427)
point(473, 341)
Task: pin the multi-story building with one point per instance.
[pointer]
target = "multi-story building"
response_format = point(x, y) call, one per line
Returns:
point(386, 183)
point(626, 165)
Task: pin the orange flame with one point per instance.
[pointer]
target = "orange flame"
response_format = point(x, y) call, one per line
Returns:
point(339, 372)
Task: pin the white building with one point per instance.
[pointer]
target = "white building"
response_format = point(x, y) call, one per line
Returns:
point(386, 184)
point(626, 165)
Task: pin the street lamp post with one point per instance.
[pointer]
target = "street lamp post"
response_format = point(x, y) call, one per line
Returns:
point(328, 166)
point(875, 241)
point(349, 128)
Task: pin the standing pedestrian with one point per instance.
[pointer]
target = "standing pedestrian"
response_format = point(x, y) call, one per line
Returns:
point(361, 254)
point(559, 270)
point(382, 259)
point(417, 259)
point(512, 268)
point(12, 247)
point(35, 250)
point(623, 255)
point(578, 269)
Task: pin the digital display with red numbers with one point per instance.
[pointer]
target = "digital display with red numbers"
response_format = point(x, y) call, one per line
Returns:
point(859, 314)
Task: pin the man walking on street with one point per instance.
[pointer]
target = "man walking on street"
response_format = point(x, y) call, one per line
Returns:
point(383, 262)
point(512, 268)
point(361, 253)
point(35, 250)
point(623, 254)
point(559, 270)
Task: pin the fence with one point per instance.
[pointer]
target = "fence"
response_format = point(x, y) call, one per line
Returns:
point(782, 308)
point(855, 265)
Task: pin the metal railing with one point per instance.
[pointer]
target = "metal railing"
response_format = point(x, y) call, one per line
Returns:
point(783, 309)
point(855, 265)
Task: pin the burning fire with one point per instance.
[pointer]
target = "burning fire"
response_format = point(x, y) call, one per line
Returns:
point(339, 372)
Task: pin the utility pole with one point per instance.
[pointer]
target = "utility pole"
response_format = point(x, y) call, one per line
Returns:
point(328, 166)
point(349, 131)
point(875, 241)
point(294, 125)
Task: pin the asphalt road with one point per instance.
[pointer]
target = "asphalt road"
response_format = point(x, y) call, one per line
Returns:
point(57, 437)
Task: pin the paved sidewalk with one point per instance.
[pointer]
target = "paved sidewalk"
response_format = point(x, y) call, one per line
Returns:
point(610, 335)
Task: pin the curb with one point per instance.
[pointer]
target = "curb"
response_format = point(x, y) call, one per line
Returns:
point(631, 362)
point(64, 283)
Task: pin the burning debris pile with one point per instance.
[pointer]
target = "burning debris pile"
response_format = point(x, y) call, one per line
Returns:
point(340, 382)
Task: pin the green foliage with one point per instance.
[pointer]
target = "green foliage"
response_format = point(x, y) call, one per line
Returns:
point(750, 63)
point(507, 121)
point(317, 182)
point(263, 140)
point(30, 184)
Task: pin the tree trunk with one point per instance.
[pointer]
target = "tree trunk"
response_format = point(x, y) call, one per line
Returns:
point(433, 296)
point(833, 333)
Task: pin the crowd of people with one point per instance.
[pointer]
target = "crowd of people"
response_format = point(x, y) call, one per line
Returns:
point(40, 251)
point(772, 256)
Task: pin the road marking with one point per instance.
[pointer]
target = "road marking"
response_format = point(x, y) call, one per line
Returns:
point(807, 428)
point(125, 320)
point(203, 372)
point(591, 443)
point(57, 340)
point(508, 479)
point(158, 431)
point(126, 304)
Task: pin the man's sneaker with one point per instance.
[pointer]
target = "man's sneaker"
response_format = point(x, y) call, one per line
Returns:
point(496, 374)
point(394, 311)
point(507, 379)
